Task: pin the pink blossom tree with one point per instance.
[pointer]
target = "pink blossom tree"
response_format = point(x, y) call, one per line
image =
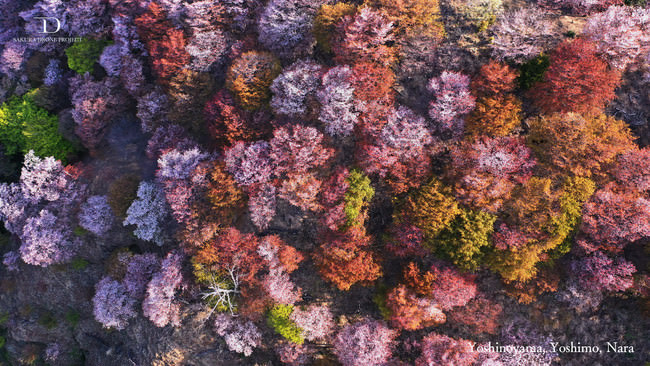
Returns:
point(599, 272)
point(298, 149)
point(112, 305)
point(293, 88)
point(160, 304)
point(452, 101)
point(249, 163)
point(633, 169)
point(368, 342)
point(613, 218)
point(621, 34)
point(406, 240)
point(241, 336)
point(316, 321)
point(139, 271)
point(522, 34)
point(148, 213)
point(262, 206)
point(336, 97)
point(438, 349)
point(450, 287)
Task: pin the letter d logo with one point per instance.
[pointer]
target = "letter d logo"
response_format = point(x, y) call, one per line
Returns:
point(58, 24)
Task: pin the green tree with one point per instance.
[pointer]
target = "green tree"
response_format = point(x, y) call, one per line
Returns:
point(465, 240)
point(83, 55)
point(25, 126)
point(279, 319)
point(357, 197)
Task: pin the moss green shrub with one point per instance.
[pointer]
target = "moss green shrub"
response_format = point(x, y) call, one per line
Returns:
point(278, 319)
point(83, 55)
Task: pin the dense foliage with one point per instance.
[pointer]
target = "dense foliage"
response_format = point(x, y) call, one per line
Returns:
point(316, 182)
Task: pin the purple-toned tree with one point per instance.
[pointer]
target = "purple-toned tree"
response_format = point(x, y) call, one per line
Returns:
point(160, 304)
point(112, 305)
point(148, 213)
point(138, 273)
point(46, 240)
point(249, 163)
point(294, 89)
point(241, 336)
point(336, 97)
point(96, 215)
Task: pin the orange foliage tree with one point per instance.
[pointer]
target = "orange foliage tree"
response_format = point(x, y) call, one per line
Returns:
point(250, 76)
point(580, 145)
point(413, 17)
point(165, 44)
point(497, 112)
point(576, 81)
point(344, 259)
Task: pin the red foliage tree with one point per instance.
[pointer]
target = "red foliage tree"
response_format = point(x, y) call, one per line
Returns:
point(298, 149)
point(480, 314)
point(406, 240)
point(165, 44)
point(410, 312)
point(232, 249)
point(451, 288)
point(228, 124)
point(576, 81)
point(344, 260)
point(438, 349)
point(613, 218)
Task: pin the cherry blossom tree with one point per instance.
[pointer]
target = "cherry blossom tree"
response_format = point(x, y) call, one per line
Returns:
point(367, 342)
point(316, 321)
point(208, 48)
point(336, 97)
point(599, 272)
point(241, 336)
point(96, 104)
point(633, 169)
point(139, 271)
point(285, 27)
point(522, 34)
point(112, 305)
point(613, 218)
point(298, 149)
point(294, 87)
point(452, 100)
point(148, 213)
point(438, 349)
point(364, 37)
point(262, 206)
point(249, 163)
point(160, 304)
point(43, 179)
point(451, 288)
point(96, 215)
point(621, 34)
point(46, 240)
